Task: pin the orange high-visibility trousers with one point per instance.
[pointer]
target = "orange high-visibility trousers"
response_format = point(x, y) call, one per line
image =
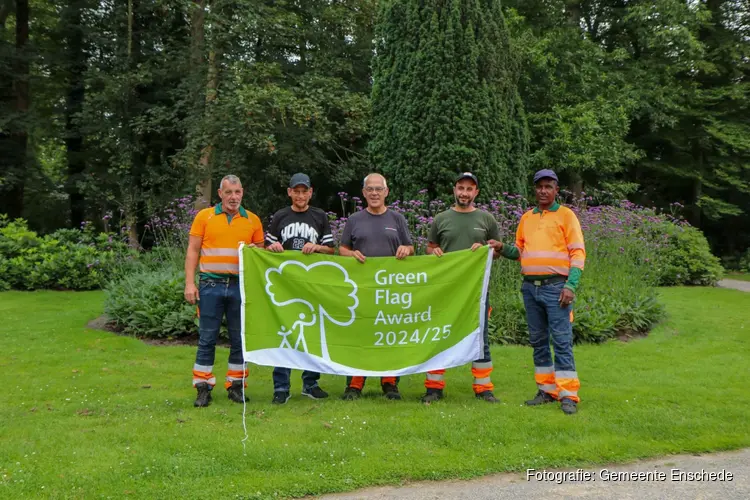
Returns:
point(235, 372)
point(359, 382)
point(203, 373)
point(481, 368)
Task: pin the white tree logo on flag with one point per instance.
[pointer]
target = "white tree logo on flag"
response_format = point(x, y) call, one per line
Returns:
point(312, 309)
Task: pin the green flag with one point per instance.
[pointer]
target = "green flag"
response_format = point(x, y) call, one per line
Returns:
point(333, 314)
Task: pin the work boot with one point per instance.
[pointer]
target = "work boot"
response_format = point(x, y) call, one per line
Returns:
point(568, 406)
point(280, 397)
point(487, 396)
point(391, 391)
point(204, 395)
point(351, 393)
point(541, 398)
point(235, 392)
point(315, 393)
point(432, 395)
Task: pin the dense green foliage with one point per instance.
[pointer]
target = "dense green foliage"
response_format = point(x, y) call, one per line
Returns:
point(649, 99)
point(135, 102)
point(150, 303)
point(66, 259)
point(686, 257)
point(114, 108)
point(445, 98)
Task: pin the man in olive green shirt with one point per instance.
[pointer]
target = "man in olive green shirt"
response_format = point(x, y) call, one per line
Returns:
point(463, 227)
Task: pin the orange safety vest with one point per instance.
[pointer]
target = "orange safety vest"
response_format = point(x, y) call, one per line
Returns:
point(550, 242)
point(221, 238)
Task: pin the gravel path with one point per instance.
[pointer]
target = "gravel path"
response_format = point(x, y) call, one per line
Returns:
point(743, 286)
point(660, 479)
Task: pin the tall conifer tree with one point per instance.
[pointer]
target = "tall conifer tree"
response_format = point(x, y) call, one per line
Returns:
point(445, 97)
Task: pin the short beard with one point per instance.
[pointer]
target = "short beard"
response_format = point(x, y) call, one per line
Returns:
point(461, 204)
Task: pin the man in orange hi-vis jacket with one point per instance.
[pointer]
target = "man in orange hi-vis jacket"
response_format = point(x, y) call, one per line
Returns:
point(549, 244)
point(215, 237)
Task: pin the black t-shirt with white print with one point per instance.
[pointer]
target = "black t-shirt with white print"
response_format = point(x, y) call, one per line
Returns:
point(294, 229)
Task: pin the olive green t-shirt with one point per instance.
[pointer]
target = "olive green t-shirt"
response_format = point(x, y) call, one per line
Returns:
point(454, 231)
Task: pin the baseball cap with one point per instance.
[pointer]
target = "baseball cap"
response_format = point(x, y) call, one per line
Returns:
point(467, 175)
point(299, 179)
point(545, 174)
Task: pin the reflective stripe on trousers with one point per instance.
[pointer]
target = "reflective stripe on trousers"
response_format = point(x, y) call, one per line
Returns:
point(567, 384)
point(545, 379)
point(435, 380)
point(235, 372)
point(481, 372)
point(560, 384)
point(203, 373)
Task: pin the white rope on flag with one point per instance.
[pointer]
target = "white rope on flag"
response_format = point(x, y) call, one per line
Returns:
point(244, 410)
point(242, 338)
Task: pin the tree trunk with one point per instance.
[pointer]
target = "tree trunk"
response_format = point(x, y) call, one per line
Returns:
point(202, 96)
point(576, 185)
point(695, 209)
point(14, 101)
point(7, 106)
point(574, 13)
point(197, 47)
point(76, 67)
point(6, 7)
point(204, 186)
point(131, 219)
point(132, 192)
point(14, 198)
point(306, 22)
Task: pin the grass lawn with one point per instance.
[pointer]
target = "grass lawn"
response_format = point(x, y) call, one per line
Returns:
point(87, 414)
point(738, 276)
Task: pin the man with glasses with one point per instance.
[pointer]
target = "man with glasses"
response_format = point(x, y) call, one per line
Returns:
point(306, 229)
point(376, 231)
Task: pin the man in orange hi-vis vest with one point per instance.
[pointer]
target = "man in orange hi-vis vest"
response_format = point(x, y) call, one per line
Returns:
point(549, 244)
point(215, 237)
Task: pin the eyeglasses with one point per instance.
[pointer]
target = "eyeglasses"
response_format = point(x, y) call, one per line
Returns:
point(377, 189)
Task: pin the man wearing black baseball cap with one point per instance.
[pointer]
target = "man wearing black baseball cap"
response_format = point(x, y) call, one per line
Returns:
point(468, 175)
point(306, 229)
point(462, 227)
point(549, 244)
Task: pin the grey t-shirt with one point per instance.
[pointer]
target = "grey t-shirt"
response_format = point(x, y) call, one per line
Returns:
point(376, 235)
